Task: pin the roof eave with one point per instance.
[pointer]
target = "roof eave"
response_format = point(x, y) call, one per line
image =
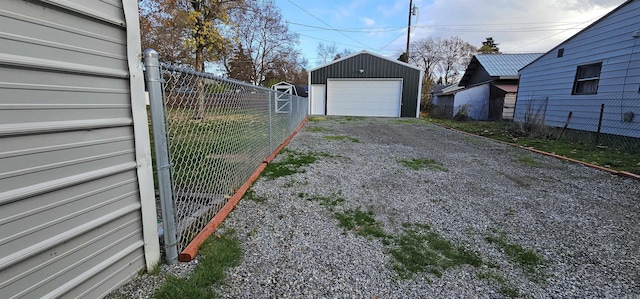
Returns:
point(579, 32)
point(365, 52)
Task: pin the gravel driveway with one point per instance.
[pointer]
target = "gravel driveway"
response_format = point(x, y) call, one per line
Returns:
point(480, 196)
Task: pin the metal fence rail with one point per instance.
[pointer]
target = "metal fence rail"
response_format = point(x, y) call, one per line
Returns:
point(218, 132)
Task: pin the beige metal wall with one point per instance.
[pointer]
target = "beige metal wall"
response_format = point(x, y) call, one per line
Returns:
point(75, 175)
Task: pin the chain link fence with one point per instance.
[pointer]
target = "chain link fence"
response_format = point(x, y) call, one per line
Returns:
point(218, 132)
point(610, 121)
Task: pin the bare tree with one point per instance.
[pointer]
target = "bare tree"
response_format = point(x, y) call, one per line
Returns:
point(265, 38)
point(442, 59)
point(343, 53)
point(326, 52)
point(457, 54)
point(427, 53)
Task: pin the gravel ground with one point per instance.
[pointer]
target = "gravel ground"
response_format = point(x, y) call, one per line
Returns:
point(583, 222)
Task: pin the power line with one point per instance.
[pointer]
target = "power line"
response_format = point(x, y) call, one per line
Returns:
point(333, 42)
point(393, 28)
point(451, 28)
point(323, 22)
point(550, 36)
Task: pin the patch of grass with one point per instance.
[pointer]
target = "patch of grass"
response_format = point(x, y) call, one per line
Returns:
point(341, 137)
point(218, 253)
point(318, 129)
point(528, 161)
point(155, 270)
point(526, 258)
point(354, 118)
point(327, 201)
point(200, 148)
point(318, 118)
point(292, 164)
point(293, 183)
point(361, 222)
point(625, 156)
point(506, 288)
point(510, 292)
point(492, 276)
point(417, 164)
point(417, 249)
point(250, 195)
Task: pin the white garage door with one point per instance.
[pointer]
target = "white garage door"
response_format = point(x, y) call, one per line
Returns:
point(378, 97)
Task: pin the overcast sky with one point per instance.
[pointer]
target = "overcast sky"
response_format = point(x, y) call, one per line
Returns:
point(519, 26)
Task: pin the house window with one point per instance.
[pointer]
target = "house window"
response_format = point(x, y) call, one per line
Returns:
point(560, 52)
point(587, 78)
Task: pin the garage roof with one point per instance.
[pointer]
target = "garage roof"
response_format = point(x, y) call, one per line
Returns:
point(365, 52)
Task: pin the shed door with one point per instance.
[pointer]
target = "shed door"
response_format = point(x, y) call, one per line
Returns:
point(369, 97)
point(317, 99)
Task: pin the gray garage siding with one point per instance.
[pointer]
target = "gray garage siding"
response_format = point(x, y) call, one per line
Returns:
point(75, 179)
point(374, 67)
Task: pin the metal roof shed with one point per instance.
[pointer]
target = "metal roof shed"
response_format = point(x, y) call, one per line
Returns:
point(365, 84)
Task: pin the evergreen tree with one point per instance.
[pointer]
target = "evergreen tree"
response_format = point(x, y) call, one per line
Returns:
point(489, 47)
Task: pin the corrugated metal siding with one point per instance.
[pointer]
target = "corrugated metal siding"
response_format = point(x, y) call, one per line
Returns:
point(70, 207)
point(374, 67)
point(609, 41)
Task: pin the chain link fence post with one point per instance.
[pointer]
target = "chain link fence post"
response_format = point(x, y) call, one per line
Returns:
point(153, 81)
point(272, 99)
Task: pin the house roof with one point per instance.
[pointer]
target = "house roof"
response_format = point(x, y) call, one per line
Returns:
point(500, 66)
point(451, 89)
point(508, 87)
point(438, 88)
point(365, 52)
point(580, 32)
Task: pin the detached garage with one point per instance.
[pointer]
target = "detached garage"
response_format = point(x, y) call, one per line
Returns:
point(365, 84)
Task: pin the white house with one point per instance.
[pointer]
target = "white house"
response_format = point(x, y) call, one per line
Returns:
point(595, 72)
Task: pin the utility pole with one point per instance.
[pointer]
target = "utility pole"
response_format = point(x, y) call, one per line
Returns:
point(411, 12)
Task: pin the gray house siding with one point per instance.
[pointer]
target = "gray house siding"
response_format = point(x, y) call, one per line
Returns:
point(375, 67)
point(75, 178)
point(550, 79)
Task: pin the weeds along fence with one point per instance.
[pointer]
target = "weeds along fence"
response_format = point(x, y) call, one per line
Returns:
point(218, 131)
point(610, 121)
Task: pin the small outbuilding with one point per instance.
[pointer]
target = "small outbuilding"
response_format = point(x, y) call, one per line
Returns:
point(365, 84)
point(490, 86)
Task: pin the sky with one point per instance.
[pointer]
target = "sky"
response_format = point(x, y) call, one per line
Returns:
point(379, 26)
